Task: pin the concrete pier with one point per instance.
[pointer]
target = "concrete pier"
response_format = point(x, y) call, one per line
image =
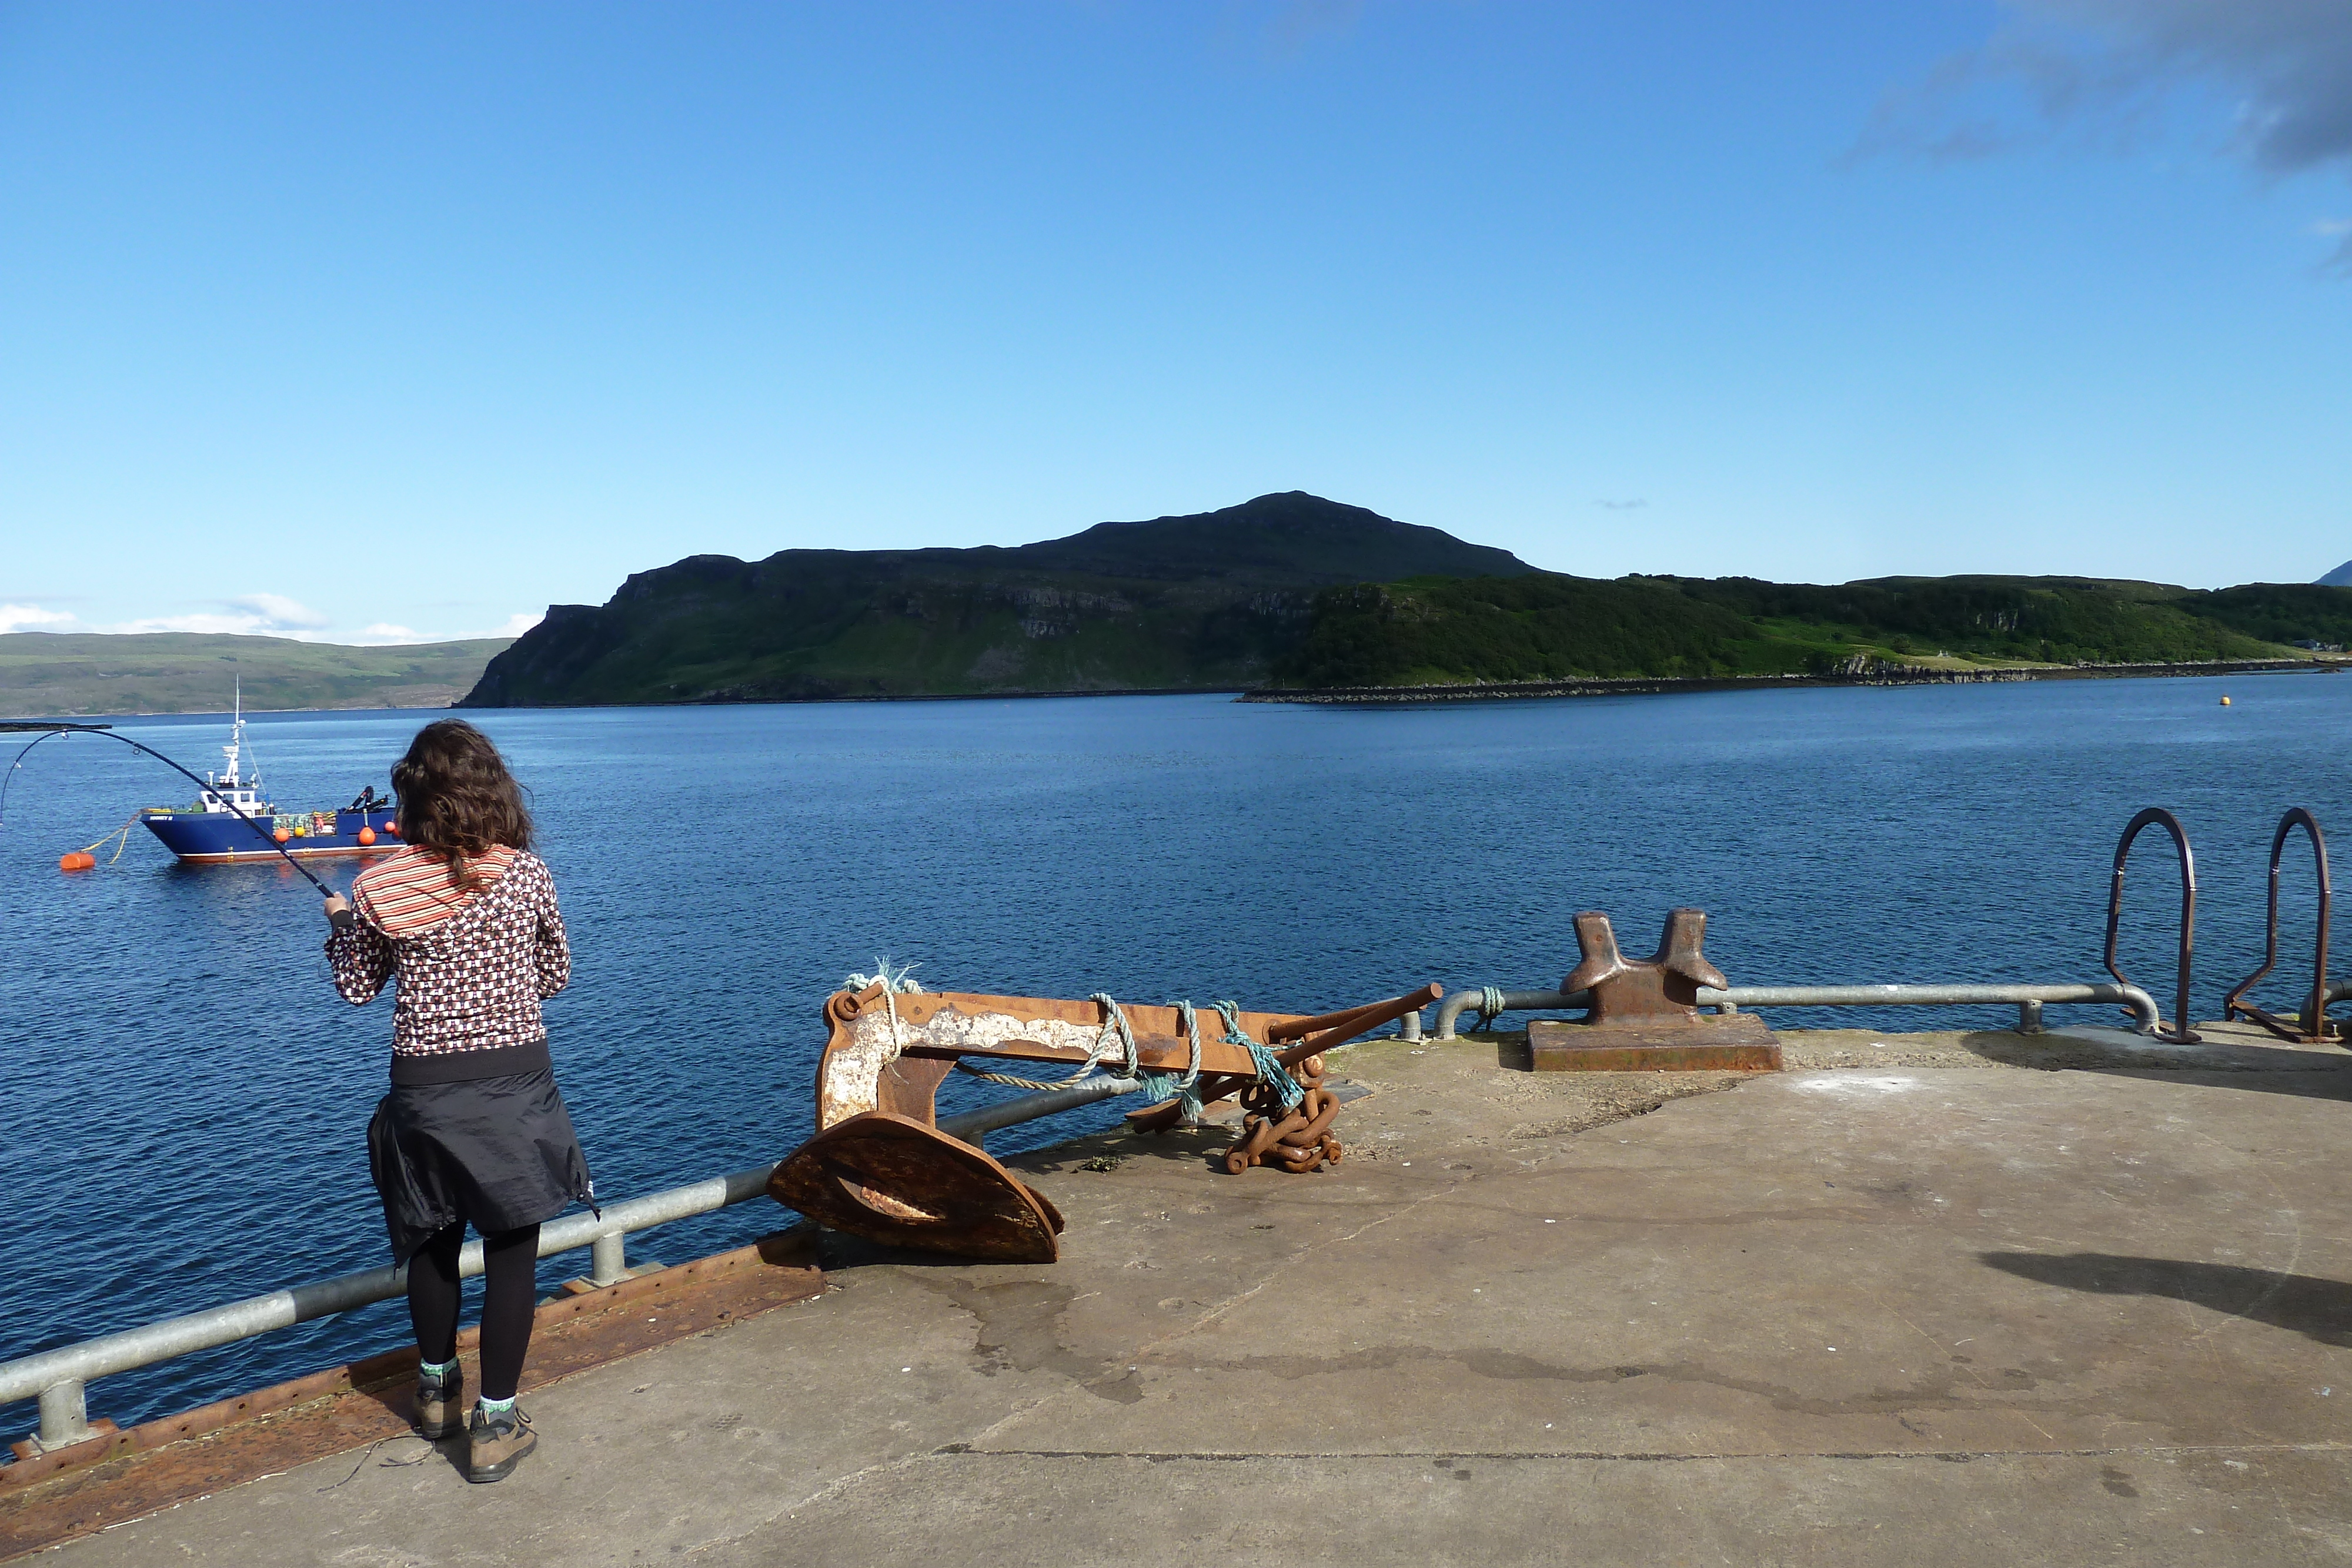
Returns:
point(1928, 1299)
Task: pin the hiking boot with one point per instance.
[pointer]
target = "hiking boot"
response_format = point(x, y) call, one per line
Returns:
point(440, 1404)
point(500, 1442)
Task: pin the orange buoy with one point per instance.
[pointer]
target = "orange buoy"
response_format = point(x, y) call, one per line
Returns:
point(392, 828)
point(76, 860)
point(367, 837)
point(2225, 701)
point(282, 834)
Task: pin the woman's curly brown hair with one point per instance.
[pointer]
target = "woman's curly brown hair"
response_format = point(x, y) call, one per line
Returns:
point(457, 796)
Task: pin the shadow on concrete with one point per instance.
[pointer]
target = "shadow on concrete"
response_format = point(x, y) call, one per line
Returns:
point(1205, 1142)
point(2316, 1309)
point(2310, 1075)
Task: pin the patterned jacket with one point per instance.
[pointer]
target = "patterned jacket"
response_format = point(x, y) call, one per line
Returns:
point(470, 973)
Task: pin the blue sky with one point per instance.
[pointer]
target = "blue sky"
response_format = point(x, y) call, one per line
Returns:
point(364, 322)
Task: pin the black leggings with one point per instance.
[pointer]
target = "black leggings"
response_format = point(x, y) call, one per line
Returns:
point(509, 1262)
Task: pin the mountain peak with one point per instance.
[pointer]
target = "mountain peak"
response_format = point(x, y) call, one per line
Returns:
point(1288, 536)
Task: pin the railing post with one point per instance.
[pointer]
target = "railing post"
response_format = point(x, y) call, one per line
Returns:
point(1411, 1026)
point(2029, 1018)
point(64, 1415)
point(608, 1258)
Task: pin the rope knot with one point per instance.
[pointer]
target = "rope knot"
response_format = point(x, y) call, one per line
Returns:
point(895, 984)
point(1271, 1072)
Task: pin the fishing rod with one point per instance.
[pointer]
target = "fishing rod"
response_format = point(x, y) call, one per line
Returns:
point(54, 730)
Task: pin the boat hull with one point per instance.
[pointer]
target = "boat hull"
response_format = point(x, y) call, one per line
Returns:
point(220, 838)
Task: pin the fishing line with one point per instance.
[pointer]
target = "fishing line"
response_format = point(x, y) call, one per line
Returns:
point(56, 729)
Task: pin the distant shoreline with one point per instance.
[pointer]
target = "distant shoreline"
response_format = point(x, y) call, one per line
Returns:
point(250, 711)
point(1666, 686)
point(1374, 696)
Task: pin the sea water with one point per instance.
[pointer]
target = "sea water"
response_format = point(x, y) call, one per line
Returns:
point(183, 1096)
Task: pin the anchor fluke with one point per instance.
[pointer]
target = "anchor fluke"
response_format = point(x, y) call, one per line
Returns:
point(894, 1180)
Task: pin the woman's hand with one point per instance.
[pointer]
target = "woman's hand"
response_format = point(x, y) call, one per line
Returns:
point(338, 911)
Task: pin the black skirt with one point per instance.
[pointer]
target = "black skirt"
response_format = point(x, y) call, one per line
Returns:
point(496, 1153)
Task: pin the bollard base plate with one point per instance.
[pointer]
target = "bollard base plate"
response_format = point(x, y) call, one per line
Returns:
point(31, 1448)
point(1733, 1043)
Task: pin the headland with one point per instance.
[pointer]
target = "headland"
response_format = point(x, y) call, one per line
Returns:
point(1293, 592)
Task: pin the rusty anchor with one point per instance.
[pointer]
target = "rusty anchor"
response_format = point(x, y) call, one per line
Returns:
point(1644, 1014)
point(881, 1166)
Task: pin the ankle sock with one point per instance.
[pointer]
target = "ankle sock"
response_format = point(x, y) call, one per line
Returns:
point(492, 1408)
point(437, 1371)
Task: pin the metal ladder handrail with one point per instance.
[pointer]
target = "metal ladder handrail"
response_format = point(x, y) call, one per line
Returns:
point(2314, 1022)
point(60, 1377)
point(2156, 816)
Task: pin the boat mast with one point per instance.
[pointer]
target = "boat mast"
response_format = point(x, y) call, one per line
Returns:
point(235, 735)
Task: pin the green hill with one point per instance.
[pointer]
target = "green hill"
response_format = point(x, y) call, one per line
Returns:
point(1543, 626)
point(1293, 590)
point(1208, 601)
point(47, 674)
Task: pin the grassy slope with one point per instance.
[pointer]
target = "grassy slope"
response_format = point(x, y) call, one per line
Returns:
point(44, 675)
point(1208, 601)
point(1543, 627)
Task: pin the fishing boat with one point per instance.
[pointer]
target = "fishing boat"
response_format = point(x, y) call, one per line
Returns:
point(213, 831)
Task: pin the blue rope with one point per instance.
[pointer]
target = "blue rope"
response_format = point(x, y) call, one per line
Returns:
point(1115, 1017)
point(1161, 1087)
point(1270, 1069)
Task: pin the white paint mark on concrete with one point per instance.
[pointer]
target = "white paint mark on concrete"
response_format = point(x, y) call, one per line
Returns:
point(1852, 1084)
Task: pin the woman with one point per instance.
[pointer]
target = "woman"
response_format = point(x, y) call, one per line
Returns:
point(473, 1132)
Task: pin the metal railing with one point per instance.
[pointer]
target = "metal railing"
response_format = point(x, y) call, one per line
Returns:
point(59, 1378)
point(2029, 1001)
point(2311, 1029)
point(2158, 817)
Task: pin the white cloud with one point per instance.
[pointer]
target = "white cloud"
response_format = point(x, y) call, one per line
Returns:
point(257, 615)
point(248, 615)
point(19, 617)
point(279, 613)
point(239, 625)
point(385, 632)
point(2110, 66)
